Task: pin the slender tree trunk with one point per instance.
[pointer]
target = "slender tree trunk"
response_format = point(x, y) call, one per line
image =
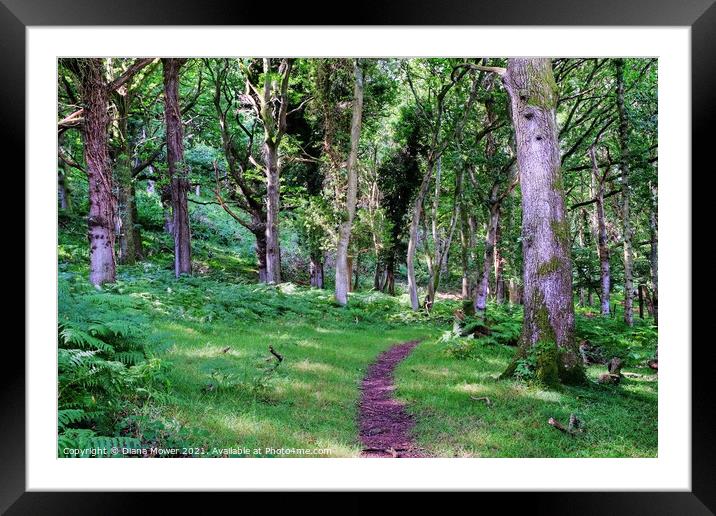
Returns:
point(465, 254)
point(127, 234)
point(316, 270)
point(548, 327)
point(582, 287)
point(602, 244)
point(64, 193)
point(124, 186)
point(138, 248)
point(389, 285)
point(356, 273)
point(488, 259)
point(166, 200)
point(260, 247)
point(441, 244)
point(413, 234)
point(273, 260)
point(515, 292)
point(102, 210)
point(378, 275)
point(640, 291)
point(626, 197)
point(178, 172)
point(499, 267)
point(654, 255)
point(342, 270)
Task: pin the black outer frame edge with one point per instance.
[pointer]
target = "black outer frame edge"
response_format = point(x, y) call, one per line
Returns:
point(703, 102)
point(12, 136)
point(367, 12)
point(700, 14)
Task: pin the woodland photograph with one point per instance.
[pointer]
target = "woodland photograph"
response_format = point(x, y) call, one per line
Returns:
point(424, 257)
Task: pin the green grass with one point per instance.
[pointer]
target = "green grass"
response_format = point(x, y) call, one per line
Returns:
point(210, 382)
point(619, 421)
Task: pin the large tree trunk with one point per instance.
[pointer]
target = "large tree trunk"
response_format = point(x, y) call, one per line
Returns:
point(627, 229)
point(102, 210)
point(343, 272)
point(178, 171)
point(548, 327)
point(602, 244)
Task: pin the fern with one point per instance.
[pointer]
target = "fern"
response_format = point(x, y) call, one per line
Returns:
point(68, 416)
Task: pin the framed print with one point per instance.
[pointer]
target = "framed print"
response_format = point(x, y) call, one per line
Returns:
point(277, 257)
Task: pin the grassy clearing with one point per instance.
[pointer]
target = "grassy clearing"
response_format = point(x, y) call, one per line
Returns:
point(620, 421)
point(153, 361)
point(221, 388)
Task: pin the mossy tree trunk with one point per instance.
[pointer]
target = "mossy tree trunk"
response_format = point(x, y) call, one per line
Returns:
point(178, 173)
point(64, 192)
point(548, 327)
point(123, 178)
point(102, 209)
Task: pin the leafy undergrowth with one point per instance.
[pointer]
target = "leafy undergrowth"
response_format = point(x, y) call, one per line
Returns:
point(445, 383)
point(200, 378)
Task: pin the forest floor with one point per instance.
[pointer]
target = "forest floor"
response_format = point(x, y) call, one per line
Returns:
point(223, 392)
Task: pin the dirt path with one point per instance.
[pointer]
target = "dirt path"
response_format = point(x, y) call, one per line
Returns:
point(384, 426)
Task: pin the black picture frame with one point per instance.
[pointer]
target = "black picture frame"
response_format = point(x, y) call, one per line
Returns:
point(700, 15)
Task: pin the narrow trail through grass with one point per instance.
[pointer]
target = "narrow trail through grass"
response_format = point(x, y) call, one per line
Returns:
point(385, 427)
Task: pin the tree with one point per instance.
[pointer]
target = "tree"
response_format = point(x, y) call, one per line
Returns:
point(178, 171)
point(343, 274)
point(237, 140)
point(626, 196)
point(503, 178)
point(103, 205)
point(548, 326)
point(270, 103)
point(431, 109)
point(602, 245)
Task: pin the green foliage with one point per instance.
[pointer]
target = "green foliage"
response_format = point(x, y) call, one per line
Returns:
point(634, 345)
point(103, 369)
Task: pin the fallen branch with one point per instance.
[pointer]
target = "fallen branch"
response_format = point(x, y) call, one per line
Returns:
point(573, 428)
point(276, 354)
point(482, 398)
